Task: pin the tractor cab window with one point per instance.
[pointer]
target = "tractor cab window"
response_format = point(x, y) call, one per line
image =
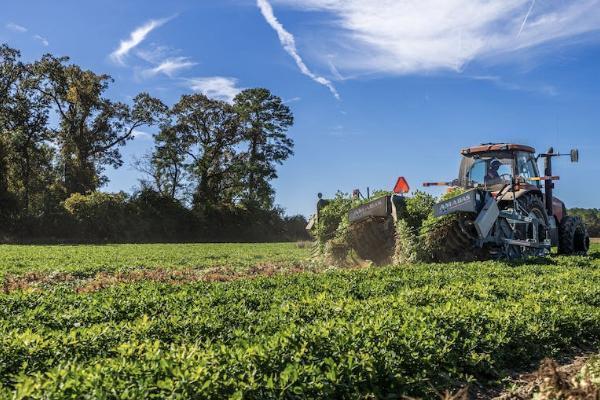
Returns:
point(527, 166)
point(490, 171)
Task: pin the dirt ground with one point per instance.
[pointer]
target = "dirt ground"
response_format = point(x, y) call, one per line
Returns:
point(553, 380)
point(102, 280)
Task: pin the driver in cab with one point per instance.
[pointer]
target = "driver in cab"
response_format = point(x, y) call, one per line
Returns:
point(492, 177)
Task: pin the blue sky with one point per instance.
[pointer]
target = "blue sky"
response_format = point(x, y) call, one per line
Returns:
point(378, 88)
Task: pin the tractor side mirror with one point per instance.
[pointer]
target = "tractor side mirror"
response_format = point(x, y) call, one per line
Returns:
point(574, 155)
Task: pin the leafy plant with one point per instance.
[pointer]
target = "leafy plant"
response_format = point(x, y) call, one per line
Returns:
point(361, 333)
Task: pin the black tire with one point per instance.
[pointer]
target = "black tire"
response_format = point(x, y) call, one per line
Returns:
point(574, 238)
point(374, 239)
point(533, 204)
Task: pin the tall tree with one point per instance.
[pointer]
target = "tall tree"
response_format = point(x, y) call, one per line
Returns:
point(92, 127)
point(264, 120)
point(31, 156)
point(11, 70)
point(205, 131)
point(164, 170)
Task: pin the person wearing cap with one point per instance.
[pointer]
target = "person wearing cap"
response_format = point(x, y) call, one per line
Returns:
point(492, 177)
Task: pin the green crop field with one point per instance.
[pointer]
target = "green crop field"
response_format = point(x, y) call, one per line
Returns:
point(86, 260)
point(263, 321)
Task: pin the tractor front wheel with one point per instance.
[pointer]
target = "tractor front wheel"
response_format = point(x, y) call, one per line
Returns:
point(574, 238)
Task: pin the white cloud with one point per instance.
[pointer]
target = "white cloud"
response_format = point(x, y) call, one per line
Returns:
point(292, 100)
point(526, 17)
point(135, 38)
point(289, 44)
point(154, 53)
point(414, 36)
point(42, 40)
point(141, 135)
point(11, 26)
point(545, 89)
point(217, 87)
point(170, 66)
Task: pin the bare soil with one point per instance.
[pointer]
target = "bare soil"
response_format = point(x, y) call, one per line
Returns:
point(554, 381)
point(104, 279)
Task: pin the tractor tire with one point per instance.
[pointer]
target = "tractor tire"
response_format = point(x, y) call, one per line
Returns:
point(374, 239)
point(574, 238)
point(534, 206)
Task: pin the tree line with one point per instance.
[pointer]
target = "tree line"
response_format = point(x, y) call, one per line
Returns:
point(208, 177)
point(591, 218)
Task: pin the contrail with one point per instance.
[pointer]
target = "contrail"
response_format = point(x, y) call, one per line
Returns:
point(526, 17)
point(289, 45)
point(135, 38)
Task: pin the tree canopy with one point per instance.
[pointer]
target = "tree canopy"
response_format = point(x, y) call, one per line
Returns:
point(60, 130)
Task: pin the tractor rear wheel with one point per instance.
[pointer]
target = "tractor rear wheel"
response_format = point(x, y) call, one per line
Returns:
point(574, 238)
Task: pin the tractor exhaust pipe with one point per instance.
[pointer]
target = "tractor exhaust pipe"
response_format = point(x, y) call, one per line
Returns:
point(548, 184)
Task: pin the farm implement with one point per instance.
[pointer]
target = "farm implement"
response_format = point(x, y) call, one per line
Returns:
point(499, 207)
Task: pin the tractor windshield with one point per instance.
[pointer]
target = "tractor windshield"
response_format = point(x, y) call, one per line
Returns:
point(527, 167)
point(486, 170)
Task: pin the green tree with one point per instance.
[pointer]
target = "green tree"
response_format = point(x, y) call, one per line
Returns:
point(202, 137)
point(164, 170)
point(31, 170)
point(11, 70)
point(264, 120)
point(92, 127)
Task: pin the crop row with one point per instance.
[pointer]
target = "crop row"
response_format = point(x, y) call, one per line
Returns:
point(85, 260)
point(375, 332)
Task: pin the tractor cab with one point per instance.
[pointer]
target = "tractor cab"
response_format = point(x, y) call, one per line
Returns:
point(492, 167)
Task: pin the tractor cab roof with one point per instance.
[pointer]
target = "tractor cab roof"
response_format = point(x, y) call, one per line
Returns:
point(495, 147)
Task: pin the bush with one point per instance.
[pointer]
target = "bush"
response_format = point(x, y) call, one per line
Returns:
point(100, 215)
point(161, 218)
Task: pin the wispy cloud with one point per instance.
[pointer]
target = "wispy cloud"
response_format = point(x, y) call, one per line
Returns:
point(526, 17)
point(141, 135)
point(292, 100)
point(154, 53)
point(170, 66)
point(42, 40)
point(416, 36)
point(135, 38)
point(545, 89)
point(289, 44)
point(11, 26)
point(218, 87)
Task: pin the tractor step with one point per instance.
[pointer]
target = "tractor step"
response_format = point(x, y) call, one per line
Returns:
point(527, 243)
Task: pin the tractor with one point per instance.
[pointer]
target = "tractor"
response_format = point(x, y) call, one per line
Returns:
point(506, 208)
point(500, 207)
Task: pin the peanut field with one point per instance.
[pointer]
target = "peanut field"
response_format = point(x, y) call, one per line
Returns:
point(258, 321)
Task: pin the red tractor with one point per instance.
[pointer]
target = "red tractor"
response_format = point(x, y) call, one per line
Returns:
point(507, 208)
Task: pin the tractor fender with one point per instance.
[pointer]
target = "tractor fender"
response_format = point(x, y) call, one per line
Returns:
point(520, 193)
point(558, 209)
